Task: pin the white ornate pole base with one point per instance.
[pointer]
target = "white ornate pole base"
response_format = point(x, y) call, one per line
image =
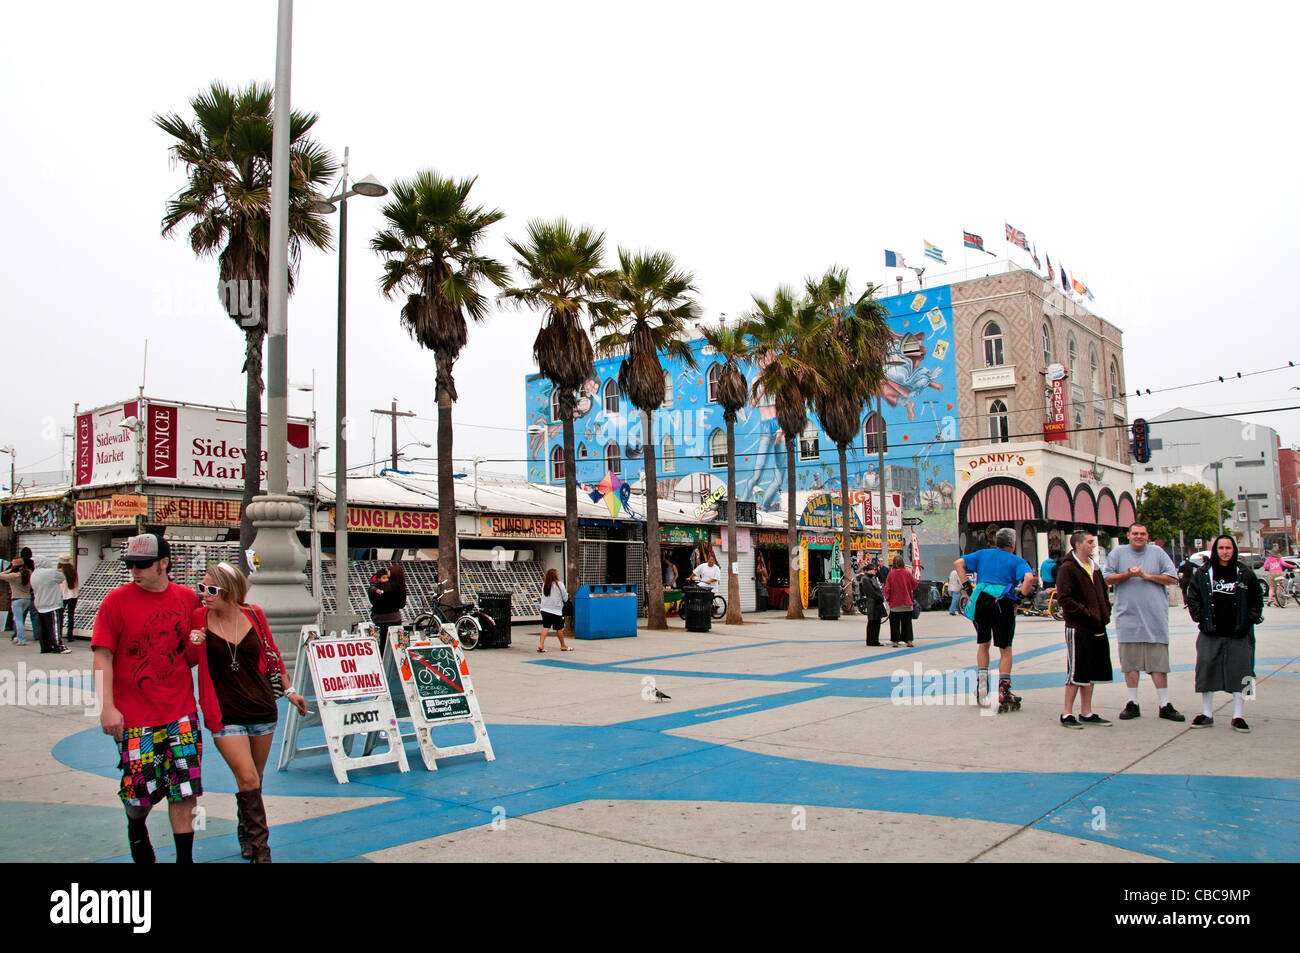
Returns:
point(278, 585)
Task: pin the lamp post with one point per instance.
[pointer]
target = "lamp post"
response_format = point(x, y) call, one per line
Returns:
point(343, 617)
point(10, 450)
point(1218, 465)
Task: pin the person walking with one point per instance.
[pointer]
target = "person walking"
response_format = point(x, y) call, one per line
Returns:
point(147, 697)
point(1139, 573)
point(1226, 601)
point(387, 592)
point(954, 593)
point(1085, 605)
point(554, 596)
point(1273, 569)
point(47, 600)
point(874, 595)
point(899, 589)
point(670, 573)
point(19, 578)
point(69, 592)
point(992, 607)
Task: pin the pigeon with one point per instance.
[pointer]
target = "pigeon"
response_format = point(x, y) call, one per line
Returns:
point(660, 697)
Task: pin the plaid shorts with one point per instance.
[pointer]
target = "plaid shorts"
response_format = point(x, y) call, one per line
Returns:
point(161, 762)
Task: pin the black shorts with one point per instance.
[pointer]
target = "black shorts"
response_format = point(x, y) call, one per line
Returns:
point(552, 621)
point(995, 619)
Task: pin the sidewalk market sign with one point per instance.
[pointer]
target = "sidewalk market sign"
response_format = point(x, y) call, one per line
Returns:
point(435, 679)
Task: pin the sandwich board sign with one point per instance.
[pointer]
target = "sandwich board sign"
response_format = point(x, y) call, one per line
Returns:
point(435, 679)
point(352, 696)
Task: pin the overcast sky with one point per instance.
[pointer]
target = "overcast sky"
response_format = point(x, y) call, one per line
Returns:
point(1149, 147)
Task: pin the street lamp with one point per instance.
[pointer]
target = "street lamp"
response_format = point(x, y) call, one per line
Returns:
point(343, 618)
point(10, 450)
point(1218, 465)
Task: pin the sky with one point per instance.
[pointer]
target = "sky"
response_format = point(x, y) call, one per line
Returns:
point(1149, 147)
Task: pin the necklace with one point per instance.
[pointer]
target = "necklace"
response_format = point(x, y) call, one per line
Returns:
point(234, 662)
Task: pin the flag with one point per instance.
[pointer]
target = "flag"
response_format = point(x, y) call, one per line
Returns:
point(1037, 264)
point(933, 251)
point(894, 260)
point(971, 240)
point(1016, 237)
point(1051, 275)
point(1079, 287)
point(1065, 282)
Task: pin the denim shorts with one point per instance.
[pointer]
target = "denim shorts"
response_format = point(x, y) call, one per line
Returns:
point(252, 731)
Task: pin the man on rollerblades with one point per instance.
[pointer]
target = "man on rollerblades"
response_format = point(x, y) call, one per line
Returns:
point(992, 608)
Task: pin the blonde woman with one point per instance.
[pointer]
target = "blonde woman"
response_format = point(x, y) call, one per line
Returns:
point(240, 677)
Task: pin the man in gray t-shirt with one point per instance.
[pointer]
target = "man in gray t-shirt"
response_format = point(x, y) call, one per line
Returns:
point(1139, 573)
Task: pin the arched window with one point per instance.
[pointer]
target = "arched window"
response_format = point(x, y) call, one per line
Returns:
point(1047, 345)
point(714, 375)
point(668, 391)
point(1114, 379)
point(557, 463)
point(808, 449)
point(717, 449)
point(582, 451)
point(993, 345)
point(555, 405)
point(611, 396)
point(873, 434)
point(669, 456)
point(999, 426)
point(613, 460)
point(1071, 353)
point(1092, 366)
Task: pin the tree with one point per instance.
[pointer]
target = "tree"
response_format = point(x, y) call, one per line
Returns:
point(647, 307)
point(732, 345)
point(1165, 510)
point(851, 360)
point(226, 203)
point(431, 252)
point(561, 266)
point(784, 330)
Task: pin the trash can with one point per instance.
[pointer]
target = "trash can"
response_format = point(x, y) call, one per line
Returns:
point(829, 595)
point(926, 595)
point(698, 609)
point(495, 605)
point(604, 612)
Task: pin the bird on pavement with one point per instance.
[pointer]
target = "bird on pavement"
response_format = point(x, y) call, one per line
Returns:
point(660, 697)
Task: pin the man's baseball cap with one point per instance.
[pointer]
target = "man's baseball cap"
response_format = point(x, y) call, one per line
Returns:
point(146, 549)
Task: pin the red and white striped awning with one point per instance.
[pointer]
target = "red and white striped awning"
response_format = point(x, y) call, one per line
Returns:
point(1127, 516)
point(999, 504)
point(1058, 505)
point(1085, 508)
point(1106, 513)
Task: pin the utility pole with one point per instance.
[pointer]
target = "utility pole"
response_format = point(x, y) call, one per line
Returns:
point(394, 415)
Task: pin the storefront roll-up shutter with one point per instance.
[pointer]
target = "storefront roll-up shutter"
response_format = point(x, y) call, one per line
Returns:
point(999, 504)
point(1058, 505)
point(54, 545)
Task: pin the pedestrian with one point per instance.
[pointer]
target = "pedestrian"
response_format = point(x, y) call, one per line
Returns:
point(387, 592)
point(19, 578)
point(1273, 570)
point(1185, 573)
point(761, 575)
point(1085, 605)
point(1139, 573)
point(47, 600)
point(1047, 571)
point(992, 607)
point(554, 596)
point(899, 589)
point(69, 593)
point(1226, 601)
point(241, 674)
point(874, 595)
point(708, 574)
point(146, 695)
point(670, 573)
point(954, 592)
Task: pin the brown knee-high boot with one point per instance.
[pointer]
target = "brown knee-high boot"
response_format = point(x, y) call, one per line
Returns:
point(256, 831)
point(241, 831)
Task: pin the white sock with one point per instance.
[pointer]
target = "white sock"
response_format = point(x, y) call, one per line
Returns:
point(1163, 695)
point(1207, 704)
point(1133, 695)
point(1238, 704)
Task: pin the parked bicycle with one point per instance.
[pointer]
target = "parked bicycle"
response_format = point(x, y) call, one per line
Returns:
point(1042, 603)
point(718, 609)
point(467, 619)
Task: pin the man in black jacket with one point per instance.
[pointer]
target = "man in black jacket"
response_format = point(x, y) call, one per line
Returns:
point(1086, 607)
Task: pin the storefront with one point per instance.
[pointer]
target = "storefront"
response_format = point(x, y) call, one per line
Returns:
point(505, 553)
point(44, 523)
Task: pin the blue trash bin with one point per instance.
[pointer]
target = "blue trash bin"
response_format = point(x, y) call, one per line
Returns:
point(605, 612)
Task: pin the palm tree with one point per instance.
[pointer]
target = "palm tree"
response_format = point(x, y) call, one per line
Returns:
point(785, 330)
point(646, 313)
point(226, 203)
point(732, 345)
point(852, 363)
point(431, 252)
point(562, 265)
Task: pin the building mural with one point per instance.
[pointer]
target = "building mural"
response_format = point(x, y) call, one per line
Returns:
point(918, 400)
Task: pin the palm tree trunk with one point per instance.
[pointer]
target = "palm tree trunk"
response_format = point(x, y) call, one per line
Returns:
point(794, 607)
point(252, 438)
point(448, 570)
point(846, 538)
point(571, 544)
point(734, 616)
point(656, 618)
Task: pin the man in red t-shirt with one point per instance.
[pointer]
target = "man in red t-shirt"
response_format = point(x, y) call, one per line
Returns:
point(147, 695)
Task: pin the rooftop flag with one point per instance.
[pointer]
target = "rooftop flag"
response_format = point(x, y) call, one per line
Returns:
point(935, 252)
point(1051, 275)
point(971, 240)
point(1065, 282)
point(1037, 264)
point(1016, 237)
point(894, 260)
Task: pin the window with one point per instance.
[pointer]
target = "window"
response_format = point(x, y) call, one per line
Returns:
point(1078, 419)
point(582, 451)
point(1092, 362)
point(1071, 352)
point(999, 427)
point(717, 449)
point(557, 463)
point(993, 345)
point(714, 375)
point(1120, 433)
point(555, 405)
point(613, 460)
point(668, 391)
point(808, 449)
point(873, 434)
point(1047, 345)
point(669, 455)
point(611, 396)
point(1114, 379)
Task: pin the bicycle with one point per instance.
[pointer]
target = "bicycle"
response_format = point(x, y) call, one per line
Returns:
point(467, 619)
point(1280, 590)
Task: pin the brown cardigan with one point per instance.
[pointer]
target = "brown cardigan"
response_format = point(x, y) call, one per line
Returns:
point(1084, 602)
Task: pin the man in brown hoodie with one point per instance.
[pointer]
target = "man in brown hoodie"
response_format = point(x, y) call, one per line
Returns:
point(1086, 607)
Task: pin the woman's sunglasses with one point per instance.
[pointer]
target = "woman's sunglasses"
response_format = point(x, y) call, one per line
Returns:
point(209, 590)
